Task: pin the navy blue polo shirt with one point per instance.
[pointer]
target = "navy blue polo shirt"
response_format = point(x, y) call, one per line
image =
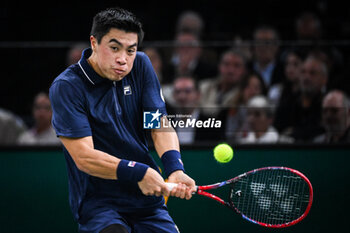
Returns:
point(85, 104)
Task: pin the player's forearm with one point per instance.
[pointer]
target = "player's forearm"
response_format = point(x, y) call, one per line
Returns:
point(99, 164)
point(89, 160)
point(167, 146)
point(165, 139)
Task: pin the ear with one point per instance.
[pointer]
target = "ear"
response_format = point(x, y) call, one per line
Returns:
point(93, 42)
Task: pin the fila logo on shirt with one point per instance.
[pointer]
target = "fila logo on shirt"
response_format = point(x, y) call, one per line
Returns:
point(127, 90)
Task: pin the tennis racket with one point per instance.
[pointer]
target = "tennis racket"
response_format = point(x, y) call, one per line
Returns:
point(273, 197)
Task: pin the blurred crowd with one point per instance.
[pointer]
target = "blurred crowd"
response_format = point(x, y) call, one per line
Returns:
point(262, 90)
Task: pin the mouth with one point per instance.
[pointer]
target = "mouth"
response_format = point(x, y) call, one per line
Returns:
point(119, 71)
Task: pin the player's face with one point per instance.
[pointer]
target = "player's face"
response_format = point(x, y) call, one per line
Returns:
point(115, 54)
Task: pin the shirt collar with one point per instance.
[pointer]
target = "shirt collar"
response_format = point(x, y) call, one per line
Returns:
point(266, 73)
point(89, 73)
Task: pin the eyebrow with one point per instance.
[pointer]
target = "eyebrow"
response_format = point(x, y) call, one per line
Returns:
point(119, 43)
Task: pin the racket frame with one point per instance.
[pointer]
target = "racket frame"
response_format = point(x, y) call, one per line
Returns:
point(200, 191)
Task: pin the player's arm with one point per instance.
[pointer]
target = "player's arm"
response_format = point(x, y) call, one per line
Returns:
point(167, 146)
point(91, 161)
point(100, 164)
point(165, 139)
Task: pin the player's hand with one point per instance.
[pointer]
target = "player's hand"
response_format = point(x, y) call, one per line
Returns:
point(153, 184)
point(186, 185)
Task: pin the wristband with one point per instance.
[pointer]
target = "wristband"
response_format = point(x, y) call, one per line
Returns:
point(172, 162)
point(131, 170)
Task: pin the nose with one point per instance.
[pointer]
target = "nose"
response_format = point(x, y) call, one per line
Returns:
point(121, 58)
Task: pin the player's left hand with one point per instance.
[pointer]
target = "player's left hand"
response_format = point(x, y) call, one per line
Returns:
point(186, 185)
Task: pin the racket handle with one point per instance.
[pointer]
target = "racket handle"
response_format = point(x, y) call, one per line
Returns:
point(171, 186)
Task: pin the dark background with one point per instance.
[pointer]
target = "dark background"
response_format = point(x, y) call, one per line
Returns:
point(27, 68)
point(60, 21)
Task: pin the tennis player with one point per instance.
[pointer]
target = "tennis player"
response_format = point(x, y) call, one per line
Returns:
point(98, 106)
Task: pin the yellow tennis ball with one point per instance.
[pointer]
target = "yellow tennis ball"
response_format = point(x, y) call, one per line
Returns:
point(223, 153)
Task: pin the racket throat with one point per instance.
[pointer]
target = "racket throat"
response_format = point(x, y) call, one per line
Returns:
point(212, 196)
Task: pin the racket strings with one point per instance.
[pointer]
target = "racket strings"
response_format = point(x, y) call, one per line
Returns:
point(271, 196)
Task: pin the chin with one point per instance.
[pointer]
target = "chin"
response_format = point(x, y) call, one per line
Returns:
point(119, 78)
point(115, 78)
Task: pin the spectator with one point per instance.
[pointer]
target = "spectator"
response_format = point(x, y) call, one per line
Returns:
point(186, 96)
point(234, 117)
point(281, 92)
point(310, 33)
point(308, 27)
point(219, 92)
point(11, 126)
point(265, 56)
point(333, 60)
point(301, 118)
point(190, 21)
point(187, 59)
point(156, 61)
point(74, 53)
point(42, 132)
point(259, 119)
point(244, 46)
point(335, 118)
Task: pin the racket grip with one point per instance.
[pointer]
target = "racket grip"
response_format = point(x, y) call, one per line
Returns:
point(171, 186)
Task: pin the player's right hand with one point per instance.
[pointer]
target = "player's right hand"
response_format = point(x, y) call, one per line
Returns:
point(153, 184)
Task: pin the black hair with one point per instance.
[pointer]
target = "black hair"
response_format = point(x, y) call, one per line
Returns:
point(247, 77)
point(265, 27)
point(116, 18)
point(236, 52)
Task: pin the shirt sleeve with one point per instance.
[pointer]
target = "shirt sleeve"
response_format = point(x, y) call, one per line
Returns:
point(152, 97)
point(69, 116)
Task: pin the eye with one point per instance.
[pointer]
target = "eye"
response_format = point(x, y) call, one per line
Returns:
point(131, 51)
point(114, 48)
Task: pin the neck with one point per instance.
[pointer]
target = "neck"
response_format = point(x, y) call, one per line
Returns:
point(262, 65)
point(305, 101)
point(42, 127)
point(225, 86)
point(92, 62)
point(336, 136)
point(294, 87)
point(259, 134)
